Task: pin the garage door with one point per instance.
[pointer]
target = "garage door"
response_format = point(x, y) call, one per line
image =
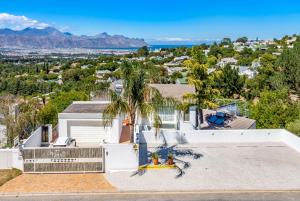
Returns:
point(89, 134)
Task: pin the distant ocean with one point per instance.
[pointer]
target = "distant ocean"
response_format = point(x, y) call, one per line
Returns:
point(157, 47)
point(152, 47)
point(168, 46)
point(160, 46)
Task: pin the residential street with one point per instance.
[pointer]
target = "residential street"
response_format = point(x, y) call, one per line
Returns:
point(291, 196)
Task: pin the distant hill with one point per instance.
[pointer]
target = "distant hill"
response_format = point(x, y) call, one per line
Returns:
point(50, 38)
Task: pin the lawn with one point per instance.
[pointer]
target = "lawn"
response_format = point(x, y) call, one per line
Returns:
point(6, 175)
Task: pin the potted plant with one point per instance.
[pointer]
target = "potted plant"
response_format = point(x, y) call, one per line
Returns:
point(154, 157)
point(170, 160)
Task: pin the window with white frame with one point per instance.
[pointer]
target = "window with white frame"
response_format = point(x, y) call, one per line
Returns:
point(167, 114)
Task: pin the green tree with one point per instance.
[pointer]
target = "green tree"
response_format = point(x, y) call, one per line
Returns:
point(267, 59)
point(294, 127)
point(198, 54)
point(242, 40)
point(212, 60)
point(232, 82)
point(48, 115)
point(226, 41)
point(175, 76)
point(274, 110)
point(143, 51)
point(215, 50)
point(205, 93)
point(289, 64)
point(137, 97)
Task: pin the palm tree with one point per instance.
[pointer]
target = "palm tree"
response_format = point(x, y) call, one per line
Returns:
point(205, 92)
point(137, 97)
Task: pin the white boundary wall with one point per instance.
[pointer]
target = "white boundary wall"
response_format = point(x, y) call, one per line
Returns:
point(11, 158)
point(121, 157)
point(290, 139)
point(35, 139)
point(221, 136)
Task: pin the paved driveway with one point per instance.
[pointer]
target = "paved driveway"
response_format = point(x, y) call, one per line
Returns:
point(259, 166)
point(57, 183)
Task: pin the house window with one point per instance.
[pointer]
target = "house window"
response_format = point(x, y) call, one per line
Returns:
point(186, 115)
point(167, 114)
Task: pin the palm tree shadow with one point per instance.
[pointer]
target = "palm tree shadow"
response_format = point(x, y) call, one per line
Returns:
point(163, 150)
point(179, 154)
point(139, 172)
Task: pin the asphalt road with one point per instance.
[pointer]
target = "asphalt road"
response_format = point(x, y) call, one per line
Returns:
point(278, 196)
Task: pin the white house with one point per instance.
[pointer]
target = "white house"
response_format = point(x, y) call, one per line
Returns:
point(83, 122)
point(172, 70)
point(245, 70)
point(291, 40)
point(102, 73)
point(175, 121)
point(181, 58)
point(227, 61)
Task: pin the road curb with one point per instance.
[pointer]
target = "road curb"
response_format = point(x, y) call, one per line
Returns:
point(149, 192)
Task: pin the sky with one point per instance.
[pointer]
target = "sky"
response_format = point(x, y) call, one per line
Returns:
point(158, 20)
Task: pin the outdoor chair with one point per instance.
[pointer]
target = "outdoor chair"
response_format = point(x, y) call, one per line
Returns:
point(212, 119)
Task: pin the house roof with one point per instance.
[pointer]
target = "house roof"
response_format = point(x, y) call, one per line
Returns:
point(91, 107)
point(174, 90)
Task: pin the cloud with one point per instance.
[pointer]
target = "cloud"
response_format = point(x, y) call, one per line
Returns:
point(19, 22)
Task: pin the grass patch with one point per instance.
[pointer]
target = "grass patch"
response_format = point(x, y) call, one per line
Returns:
point(6, 175)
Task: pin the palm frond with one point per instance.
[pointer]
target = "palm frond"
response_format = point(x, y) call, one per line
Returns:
point(116, 107)
point(157, 123)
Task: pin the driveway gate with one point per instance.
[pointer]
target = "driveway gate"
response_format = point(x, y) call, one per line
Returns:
point(62, 160)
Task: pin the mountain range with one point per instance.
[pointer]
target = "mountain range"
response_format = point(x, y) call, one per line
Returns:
point(49, 38)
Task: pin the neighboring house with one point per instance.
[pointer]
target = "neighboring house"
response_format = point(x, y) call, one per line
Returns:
point(157, 58)
point(211, 70)
point(83, 122)
point(83, 67)
point(206, 52)
point(101, 73)
point(182, 58)
point(245, 70)
point(176, 61)
point(59, 80)
point(172, 64)
point(55, 70)
point(227, 61)
point(292, 40)
point(137, 59)
point(172, 70)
